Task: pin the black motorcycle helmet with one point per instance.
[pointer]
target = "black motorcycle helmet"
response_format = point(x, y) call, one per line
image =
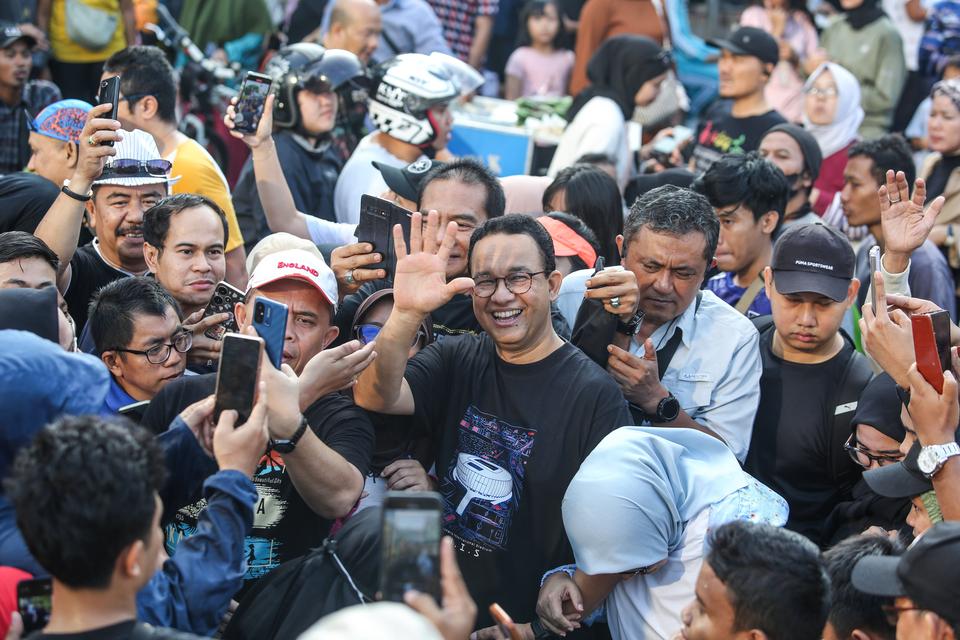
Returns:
point(312, 67)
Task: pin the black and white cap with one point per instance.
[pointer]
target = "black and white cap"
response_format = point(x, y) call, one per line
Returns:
point(813, 258)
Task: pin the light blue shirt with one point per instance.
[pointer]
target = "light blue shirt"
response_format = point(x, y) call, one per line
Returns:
point(715, 372)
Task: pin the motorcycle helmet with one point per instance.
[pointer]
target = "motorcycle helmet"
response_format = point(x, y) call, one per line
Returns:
point(309, 66)
point(407, 86)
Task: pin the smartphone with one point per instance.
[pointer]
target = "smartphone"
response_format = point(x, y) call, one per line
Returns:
point(270, 322)
point(110, 93)
point(224, 300)
point(410, 545)
point(253, 95)
point(34, 600)
point(666, 145)
point(932, 351)
point(874, 258)
point(135, 410)
point(505, 623)
point(377, 219)
point(238, 375)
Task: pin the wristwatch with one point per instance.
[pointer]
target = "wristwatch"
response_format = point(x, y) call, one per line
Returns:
point(668, 409)
point(79, 197)
point(632, 326)
point(289, 444)
point(934, 456)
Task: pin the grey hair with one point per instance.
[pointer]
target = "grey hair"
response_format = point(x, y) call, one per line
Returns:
point(675, 211)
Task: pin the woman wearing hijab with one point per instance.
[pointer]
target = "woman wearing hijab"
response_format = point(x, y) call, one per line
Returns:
point(637, 514)
point(832, 114)
point(624, 73)
point(865, 42)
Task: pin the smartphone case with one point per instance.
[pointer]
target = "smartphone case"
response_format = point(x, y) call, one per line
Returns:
point(377, 219)
point(272, 328)
point(925, 349)
point(249, 107)
point(224, 300)
point(110, 92)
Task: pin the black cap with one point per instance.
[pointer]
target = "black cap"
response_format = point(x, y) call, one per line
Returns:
point(926, 572)
point(750, 41)
point(809, 147)
point(11, 33)
point(813, 258)
point(405, 182)
point(900, 480)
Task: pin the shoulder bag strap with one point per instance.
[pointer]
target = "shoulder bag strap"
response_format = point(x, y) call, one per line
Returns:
point(749, 295)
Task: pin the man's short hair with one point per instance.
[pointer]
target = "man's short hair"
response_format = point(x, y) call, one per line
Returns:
point(748, 180)
point(675, 211)
point(114, 308)
point(774, 579)
point(156, 219)
point(471, 172)
point(84, 490)
point(145, 71)
point(16, 245)
point(851, 608)
point(888, 152)
point(517, 224)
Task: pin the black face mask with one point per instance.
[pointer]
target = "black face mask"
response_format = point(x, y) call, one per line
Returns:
point(792, 181)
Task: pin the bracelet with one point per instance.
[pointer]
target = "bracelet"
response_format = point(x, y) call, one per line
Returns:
point(76, 196)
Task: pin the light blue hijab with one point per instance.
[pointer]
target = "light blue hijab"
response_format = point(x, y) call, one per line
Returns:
point(628, 505)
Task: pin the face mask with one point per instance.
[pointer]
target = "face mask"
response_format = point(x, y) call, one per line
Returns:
point(792, 181)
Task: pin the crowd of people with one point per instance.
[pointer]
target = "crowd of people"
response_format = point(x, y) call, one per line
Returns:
point(698, 382)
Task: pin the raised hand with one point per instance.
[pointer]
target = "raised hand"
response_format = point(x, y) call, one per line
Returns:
point(906, 224)
point(334, 370)
point(240, 447)
point(420, 285)
point(92, 154)
point(264, 127)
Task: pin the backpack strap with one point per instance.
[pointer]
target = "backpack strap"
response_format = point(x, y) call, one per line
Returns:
point(749, 295)
point(856, 374)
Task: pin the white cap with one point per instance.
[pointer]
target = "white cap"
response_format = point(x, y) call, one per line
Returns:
point(136, 145)
point(298, 264)
point(279, 241)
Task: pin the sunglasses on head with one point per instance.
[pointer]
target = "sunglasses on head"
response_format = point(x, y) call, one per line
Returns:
point(129, 168)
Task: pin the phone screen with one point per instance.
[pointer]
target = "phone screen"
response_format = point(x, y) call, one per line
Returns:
point(253, 95)
point(110, 93)
point(34, 601)
point(411, 548)
point(237, 375)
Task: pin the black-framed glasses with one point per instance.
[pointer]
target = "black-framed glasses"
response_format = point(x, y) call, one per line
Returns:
point(518, 282)
point(158, 354)
point(368, 332)
point(892, 612)
point(130, 168)
point(863, 456)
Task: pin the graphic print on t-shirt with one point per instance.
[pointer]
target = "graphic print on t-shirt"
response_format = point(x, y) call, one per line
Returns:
point(261, 551)
point(483, 485)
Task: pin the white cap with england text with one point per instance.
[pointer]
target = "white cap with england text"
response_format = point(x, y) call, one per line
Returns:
point(300, 265)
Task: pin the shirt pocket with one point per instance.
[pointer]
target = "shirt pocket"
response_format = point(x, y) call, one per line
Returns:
point(693, 389)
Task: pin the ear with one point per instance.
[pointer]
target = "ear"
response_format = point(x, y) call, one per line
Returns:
point(130, 560)
point(330, 335)
point(240, 313)
point(619, 248)
point(92, 214)
point(148, 106)
point(852, 291)
point(768, 221)
point(151, 255)
point(806, 180)
point(856, 634)
point(554, 280)
point(72, 154)
point(768, 282)
point(112, 360)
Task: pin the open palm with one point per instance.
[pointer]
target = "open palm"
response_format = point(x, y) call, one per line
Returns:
point(420, 283)
point(905, 223)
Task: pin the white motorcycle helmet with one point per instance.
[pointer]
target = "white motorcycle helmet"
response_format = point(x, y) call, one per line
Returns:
point(407, 86)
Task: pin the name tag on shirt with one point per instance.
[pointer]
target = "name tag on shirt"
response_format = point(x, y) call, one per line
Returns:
point(694, 376)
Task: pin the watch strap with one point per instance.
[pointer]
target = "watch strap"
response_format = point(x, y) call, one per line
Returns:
point(76, 196)
point(289, 444)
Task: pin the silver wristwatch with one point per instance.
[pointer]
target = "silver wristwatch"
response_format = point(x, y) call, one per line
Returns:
point(933, 457)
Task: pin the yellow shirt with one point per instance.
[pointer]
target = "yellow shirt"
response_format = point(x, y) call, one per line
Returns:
point(200, 174)
point(66, 50)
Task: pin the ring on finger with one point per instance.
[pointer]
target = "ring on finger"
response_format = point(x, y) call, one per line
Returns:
point(348, 276)
point(892, 201)
point(615, 302)
point(91, 141)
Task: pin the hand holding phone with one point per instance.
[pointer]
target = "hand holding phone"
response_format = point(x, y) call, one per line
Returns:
point(238, 375)
point(874, 259)
point(253, 96)
point(505, 623)
point(110, 94)
point(377, 219)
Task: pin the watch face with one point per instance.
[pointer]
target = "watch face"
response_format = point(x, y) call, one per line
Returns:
point(669, 408)
point(927, 460)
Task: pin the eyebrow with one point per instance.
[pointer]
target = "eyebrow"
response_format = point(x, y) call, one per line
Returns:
point(510, 270)
point(190, 245)
point(306, 314)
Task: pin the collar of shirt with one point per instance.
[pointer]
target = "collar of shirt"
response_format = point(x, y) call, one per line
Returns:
point(96, 247)
point(117, 397)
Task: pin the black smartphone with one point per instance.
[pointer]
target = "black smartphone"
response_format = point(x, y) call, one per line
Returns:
point(377, 218)
point(410, 545)
point(34, 599)
point(238, 375)
point(253, 95)
point(224, 300)
point(135, 410)
point(110, 93)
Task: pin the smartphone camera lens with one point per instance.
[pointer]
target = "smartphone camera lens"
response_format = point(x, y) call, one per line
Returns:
point(217, 300)
point(259, 313)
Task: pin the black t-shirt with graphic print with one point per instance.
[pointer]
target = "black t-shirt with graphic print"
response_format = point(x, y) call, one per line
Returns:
point(509, 438)
point(720, 133)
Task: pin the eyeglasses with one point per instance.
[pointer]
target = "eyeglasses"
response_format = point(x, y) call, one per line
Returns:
point(129, 168)
point(892, 612)
point(160, 353)
point(817, 92)
point(518, 283)
point(863, 456)
point(367, 333)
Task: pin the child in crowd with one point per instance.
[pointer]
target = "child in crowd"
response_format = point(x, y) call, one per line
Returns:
point(540, 66)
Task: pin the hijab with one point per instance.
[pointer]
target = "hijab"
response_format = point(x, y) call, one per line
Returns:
point(868, 12)
point(846, 121)
point(879, 407)
point(618, 69)
point(644, 484)
point(33, 310)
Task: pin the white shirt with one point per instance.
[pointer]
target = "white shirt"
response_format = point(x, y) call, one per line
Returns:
point(326, 232)
point(715, 372)
point(360, 177)
point(598, 127)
